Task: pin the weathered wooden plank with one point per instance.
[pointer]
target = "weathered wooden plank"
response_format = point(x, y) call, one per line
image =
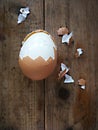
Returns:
point(81, 20)
point(21, 100)
point(95, 41)
point(77, 111)
point(58, 96)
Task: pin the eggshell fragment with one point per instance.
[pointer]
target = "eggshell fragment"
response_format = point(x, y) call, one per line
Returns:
point(68, 79)
point(82, 83)
point(64, 70)
point(79, 52)
point(62, 30)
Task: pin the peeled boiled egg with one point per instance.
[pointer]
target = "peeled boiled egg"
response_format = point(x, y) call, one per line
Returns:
point(38, 55)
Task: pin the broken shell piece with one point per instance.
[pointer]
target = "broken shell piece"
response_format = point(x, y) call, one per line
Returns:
point(61, 74)
point(25, 10)
point(68, 79)
point(64, 70)
point(82, 83)
point(21, 18)
point(62, 30)
point(23, 14)
point(64, 67)
point(79, 52)
point(82, 87)
point(66, 38)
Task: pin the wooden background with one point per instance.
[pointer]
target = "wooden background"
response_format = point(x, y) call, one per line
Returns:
point(49, 104)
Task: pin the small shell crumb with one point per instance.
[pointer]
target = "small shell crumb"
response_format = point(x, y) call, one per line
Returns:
point(68, 79)
point(66, 38)
point(82, 87)
point(62, 30)
point(64, 70)
point(23, 14)
point(79, 52)
point(82, 83)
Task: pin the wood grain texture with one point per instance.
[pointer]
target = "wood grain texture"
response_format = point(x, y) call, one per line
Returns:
point(49, 104)
point(84, 109)
point(58, 96)
point(78, 111)
point(21, 100)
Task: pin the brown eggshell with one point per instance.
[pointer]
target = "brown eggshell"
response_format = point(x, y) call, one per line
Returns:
point(37, 69)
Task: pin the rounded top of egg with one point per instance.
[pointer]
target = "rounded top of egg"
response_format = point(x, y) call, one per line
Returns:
point(38, 55)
